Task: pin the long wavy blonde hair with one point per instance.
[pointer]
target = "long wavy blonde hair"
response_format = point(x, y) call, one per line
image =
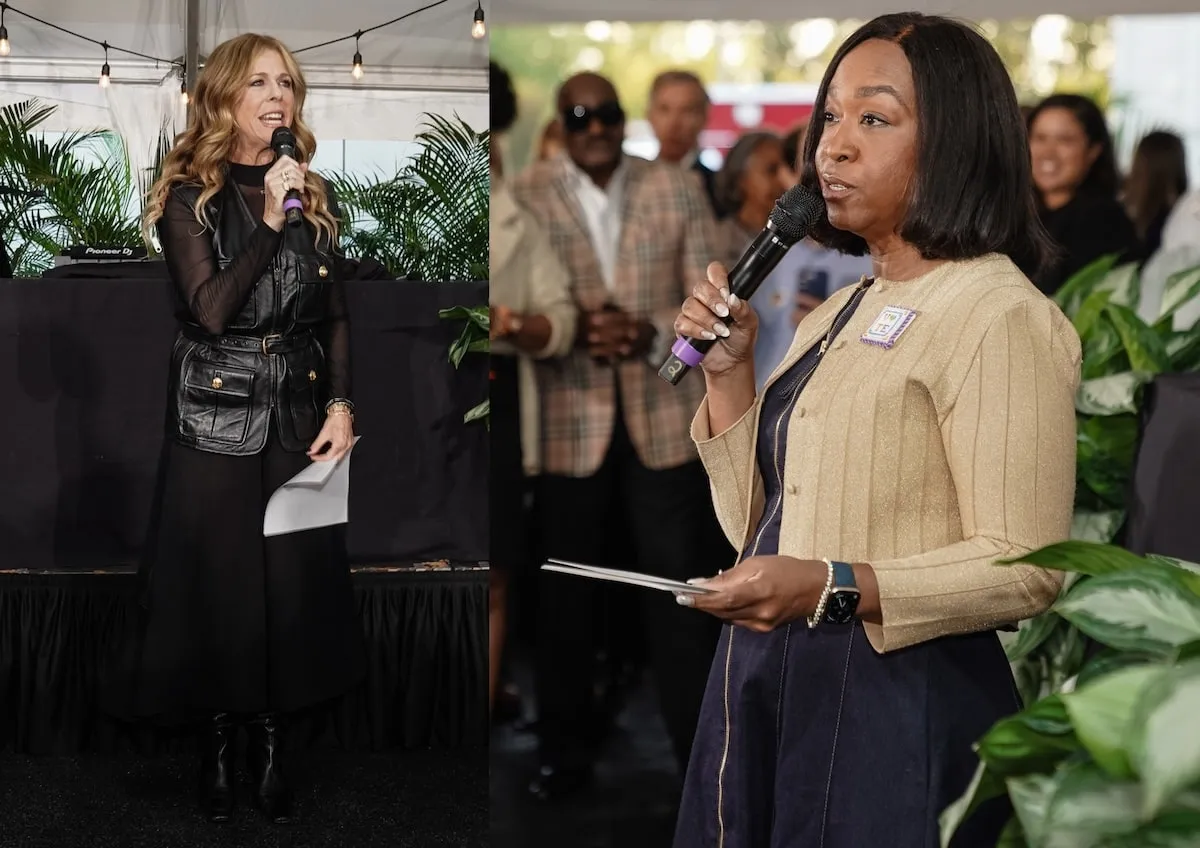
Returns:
point(201, 153)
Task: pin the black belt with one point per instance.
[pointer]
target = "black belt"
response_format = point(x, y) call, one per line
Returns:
point(270, 345)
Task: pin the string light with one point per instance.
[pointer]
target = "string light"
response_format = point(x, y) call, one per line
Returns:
point(478, 28)
point(357, 70)
point(104, 73)
point(5, 48)
point(183, 92)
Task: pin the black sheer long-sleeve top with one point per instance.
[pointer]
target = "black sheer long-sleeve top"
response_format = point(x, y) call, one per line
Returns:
point(264, 328)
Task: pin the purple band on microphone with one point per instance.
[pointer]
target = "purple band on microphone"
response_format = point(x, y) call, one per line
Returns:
point(688, 354)
point(293, 203)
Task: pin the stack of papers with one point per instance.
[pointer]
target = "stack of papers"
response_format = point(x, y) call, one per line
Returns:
point(632, 578)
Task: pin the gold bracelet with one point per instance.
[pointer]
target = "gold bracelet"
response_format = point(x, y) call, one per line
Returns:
point(819, 612)
point(339, 408)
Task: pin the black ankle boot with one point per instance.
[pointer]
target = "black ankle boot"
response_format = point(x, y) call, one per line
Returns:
point(271, 793)
point(216, 768)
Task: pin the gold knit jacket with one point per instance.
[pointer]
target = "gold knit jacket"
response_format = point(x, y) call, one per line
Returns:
point(929, 460)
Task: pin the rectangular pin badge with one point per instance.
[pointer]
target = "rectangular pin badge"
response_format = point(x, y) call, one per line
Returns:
point(887, 328)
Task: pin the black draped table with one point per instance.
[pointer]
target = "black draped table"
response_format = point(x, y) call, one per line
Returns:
point(1164, 502)
point(83, 370)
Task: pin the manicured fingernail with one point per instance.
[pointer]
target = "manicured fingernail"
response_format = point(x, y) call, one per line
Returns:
point(733, 301)
point(721, 309)
point(685, 600)
point(708, 335)
point(721, 330)
point(725, 293)
point(697, 581)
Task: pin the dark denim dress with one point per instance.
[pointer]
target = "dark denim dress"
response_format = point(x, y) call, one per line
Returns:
point(811, 739)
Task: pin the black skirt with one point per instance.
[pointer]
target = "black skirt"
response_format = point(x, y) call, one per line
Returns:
point(235, 621)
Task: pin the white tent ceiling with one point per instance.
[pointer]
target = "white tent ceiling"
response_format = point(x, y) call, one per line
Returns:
point(567, 11)
point(428, 63)
point(435, 38)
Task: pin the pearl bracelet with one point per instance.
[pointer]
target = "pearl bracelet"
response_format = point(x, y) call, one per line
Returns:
point(819, 612)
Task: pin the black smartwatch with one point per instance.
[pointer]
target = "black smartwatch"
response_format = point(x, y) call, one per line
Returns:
point(843, 597)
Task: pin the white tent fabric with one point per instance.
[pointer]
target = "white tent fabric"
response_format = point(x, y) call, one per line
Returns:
point(438, 37)
point(426, 64)
point(576, 11)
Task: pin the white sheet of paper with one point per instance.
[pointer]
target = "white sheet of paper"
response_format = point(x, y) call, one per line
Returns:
point(318, 496)
point(631, 578)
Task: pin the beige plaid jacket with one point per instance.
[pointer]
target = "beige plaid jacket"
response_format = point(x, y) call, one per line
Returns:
point(667, 239)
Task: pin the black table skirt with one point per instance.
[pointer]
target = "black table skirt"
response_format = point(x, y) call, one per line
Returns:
point(426, 632)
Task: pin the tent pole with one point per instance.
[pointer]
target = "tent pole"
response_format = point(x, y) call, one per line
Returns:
point(191, 35)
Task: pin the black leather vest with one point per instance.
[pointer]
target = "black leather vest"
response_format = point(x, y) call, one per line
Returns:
point(268, 367)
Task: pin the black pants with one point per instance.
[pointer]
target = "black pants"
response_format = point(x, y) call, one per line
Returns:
point(675, 534)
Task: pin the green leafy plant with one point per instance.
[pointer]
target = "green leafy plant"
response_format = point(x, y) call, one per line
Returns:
point(474, 338)
point(1112, 760)
point(430, 221)
point(55, 197)
point(1121, 353)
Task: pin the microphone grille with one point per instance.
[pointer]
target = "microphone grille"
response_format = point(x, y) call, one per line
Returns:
point(795, 213)
point(282, 137)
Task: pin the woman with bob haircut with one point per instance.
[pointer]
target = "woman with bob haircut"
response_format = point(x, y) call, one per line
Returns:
point(920, 428)
point(242, 629)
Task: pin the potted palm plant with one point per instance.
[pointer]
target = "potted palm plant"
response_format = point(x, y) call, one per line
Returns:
point(78, 189)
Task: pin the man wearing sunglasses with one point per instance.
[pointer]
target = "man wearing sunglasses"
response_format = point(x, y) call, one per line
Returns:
point(618, 465)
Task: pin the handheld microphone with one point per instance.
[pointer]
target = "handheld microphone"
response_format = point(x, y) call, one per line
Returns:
point(793, 216)
point(284, 144)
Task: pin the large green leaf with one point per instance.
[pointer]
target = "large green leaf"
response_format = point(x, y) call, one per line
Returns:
point(1184, 350)
point(1101, 712)
point(1033, 740)
point(1086, 805)
point(1031, 634)
point(1152, 611)
point(1096, 525)
point(1107, 661)
point(984, 786)
point(1144, 347)
point(1165, 736)
point(1175, 829)
point(1089, 313)
point(1088, 279)
point(1181, 287)
point(1083, 557)
point(1031, 795)
point(1105, 452)
point(1111, 395)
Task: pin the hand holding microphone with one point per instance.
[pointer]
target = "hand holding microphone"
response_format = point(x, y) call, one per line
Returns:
point(284, 182)
point(704, 315)
point(793, 216)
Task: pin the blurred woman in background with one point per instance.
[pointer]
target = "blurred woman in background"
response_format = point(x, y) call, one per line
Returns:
point(752, 178)
point(1075, 174)
point(1156, 181)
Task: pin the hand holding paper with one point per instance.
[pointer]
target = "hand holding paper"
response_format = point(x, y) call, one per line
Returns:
point(316, 497)
point(632, 578)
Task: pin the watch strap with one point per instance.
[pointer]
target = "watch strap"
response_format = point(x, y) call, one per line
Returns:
point(843, 575)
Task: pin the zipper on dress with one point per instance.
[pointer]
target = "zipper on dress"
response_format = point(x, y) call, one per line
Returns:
point(795, 388)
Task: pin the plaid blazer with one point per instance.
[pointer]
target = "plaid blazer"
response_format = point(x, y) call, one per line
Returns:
point(668, 236)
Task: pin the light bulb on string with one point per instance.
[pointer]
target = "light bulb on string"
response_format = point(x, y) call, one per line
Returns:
point(357, 70)
point(104, 71)
point(5, 47)
point(478, 27)
point(183, 92)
